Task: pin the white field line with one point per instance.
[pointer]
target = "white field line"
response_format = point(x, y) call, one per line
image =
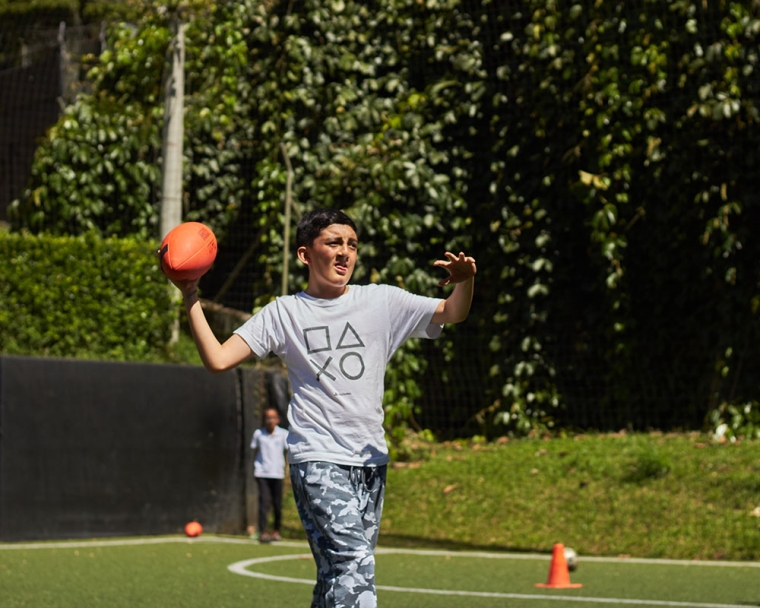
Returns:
point(241, 568)
point(380, 550)
point(140, 541)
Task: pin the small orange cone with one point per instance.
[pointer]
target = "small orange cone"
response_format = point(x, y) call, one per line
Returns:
point(559, 575)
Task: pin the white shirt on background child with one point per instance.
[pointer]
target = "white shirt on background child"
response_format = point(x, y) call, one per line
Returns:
point(270, 458)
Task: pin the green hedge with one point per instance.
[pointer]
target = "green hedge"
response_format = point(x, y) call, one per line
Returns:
point(40, 13)
point(84, 297)
point(16, 15)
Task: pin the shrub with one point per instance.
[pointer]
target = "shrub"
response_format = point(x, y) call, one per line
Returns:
point(83, 297)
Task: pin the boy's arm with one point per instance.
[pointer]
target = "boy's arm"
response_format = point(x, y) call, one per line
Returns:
point(456, 307)
point(216, 357)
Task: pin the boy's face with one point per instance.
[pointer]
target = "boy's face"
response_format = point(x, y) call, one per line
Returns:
point(271, 419)
point(331, 259)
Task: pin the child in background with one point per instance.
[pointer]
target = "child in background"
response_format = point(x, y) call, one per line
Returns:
point(270, 446)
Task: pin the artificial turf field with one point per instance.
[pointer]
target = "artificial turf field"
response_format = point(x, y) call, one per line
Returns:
point(224, 572)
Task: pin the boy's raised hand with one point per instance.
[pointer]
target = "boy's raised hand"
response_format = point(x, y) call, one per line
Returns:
point(460, 268)
point(186, 286)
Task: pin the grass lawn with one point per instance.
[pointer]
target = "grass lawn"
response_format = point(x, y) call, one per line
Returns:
point(644, 495)
point(482, 519)
point(234, 572)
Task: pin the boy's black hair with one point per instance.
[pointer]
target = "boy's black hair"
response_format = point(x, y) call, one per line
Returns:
point(314, 222)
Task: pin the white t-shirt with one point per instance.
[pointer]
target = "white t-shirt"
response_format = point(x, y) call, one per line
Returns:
point(336, 351)
point(270, 459)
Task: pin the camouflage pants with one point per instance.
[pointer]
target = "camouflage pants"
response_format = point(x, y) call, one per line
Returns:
point(340, 508)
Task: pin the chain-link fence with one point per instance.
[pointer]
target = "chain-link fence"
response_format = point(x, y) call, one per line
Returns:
point(41, 70)
point(44, 72)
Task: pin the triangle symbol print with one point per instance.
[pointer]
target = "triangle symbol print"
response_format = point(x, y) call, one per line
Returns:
point(349, 338)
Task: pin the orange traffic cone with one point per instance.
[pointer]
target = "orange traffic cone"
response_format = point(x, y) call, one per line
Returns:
point(559, 575)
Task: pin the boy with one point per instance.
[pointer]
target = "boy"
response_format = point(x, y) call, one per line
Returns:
point(269, 444)
point(336, 340)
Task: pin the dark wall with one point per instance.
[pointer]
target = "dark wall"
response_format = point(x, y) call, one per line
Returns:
point(100, 448)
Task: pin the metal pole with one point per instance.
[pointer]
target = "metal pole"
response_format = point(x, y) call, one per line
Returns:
point(63, 63)
point(286, 231)
point(171, 182)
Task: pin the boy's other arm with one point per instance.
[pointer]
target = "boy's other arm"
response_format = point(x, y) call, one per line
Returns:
point(456, 307)
point(216, 357)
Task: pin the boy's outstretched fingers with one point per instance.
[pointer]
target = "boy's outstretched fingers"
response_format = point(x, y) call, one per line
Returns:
point(460, 268)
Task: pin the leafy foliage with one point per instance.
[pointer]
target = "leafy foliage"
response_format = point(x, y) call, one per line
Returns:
point(97, 168)
point(83, 297)
point(732, 421)
point(599, 160)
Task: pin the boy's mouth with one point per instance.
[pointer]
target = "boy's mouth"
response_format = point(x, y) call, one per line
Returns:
point(341, 269)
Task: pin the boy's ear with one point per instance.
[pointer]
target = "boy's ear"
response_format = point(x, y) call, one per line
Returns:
point(303, 255)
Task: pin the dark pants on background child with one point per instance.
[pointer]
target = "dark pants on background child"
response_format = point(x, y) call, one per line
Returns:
point(270, 496)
